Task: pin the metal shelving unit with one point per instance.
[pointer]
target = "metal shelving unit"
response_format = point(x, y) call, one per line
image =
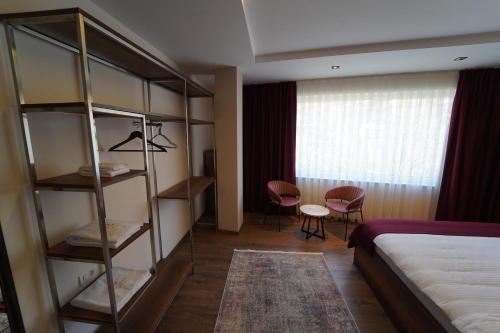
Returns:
point(91, 40)
point(190, 187)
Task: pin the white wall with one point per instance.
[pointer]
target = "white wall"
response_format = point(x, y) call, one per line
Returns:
point(51, 75)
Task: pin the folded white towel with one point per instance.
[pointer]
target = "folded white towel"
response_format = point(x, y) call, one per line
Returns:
point(89, 235)
point(126, 282)
point(103, 173)
point(4, 322)
point(106, 166)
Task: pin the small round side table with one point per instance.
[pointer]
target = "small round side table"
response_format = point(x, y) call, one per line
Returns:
point(317, 211)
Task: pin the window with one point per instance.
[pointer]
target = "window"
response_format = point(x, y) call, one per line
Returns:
point(385, 129)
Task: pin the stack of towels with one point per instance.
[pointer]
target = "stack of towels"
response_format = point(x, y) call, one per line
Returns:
point(89, 235)
point(105, 169)
point(4, 322)
point(126, 282)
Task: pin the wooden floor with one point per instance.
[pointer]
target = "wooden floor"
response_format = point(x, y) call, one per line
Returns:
point(196, 306)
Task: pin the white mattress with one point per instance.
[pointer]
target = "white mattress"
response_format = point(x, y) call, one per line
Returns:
point(457, 278)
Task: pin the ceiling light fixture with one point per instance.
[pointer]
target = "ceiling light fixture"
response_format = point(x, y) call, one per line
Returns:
point(335, 67)
point(460, 58)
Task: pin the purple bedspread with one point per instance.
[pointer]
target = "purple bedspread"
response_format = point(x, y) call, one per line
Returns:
point(365, 233)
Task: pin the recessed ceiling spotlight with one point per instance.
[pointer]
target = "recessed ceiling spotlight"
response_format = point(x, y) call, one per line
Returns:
point(460, 58)
point(335, 67)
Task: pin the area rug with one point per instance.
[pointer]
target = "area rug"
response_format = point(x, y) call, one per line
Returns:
point(281, 292)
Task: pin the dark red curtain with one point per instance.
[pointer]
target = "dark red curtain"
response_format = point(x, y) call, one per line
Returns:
point(470, 189)
point(269, 116)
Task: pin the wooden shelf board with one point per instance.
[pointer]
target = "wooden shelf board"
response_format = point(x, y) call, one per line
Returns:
point(154, 116)
point(149, 305)
point(206, 220)
point(179, 190)
point(117, 50)
point(193, 89)
point(74, 181)
point(200, 122)
point(64, 107)
point(64, 251)
point(106, 44)
point(99, 111)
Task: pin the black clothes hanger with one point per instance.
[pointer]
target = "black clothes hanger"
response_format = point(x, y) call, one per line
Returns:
point(137, 135)
point(160, 134)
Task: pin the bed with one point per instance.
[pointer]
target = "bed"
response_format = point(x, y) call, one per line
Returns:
point(433, 276)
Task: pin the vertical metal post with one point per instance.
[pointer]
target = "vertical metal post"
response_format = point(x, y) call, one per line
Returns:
point(94, 154)
point(215, 169)
point(189, 172)
point(28, 149)
point(155, 176)
point(148, 192)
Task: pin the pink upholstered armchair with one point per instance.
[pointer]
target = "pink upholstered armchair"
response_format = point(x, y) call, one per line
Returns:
point(282, 194)
point(345, 200)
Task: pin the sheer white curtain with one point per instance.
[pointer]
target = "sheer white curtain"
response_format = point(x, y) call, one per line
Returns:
point(386, 134)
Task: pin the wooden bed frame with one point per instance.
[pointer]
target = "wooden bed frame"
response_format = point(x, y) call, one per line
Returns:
point(406, 312)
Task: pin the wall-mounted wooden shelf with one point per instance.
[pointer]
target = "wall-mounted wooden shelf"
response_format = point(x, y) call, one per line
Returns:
point(179, 190)
point(75, 182)
point(64, 251)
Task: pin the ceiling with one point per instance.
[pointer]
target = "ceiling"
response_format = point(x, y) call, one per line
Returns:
point(197, 34)
point(294, 25)
point(277, 40)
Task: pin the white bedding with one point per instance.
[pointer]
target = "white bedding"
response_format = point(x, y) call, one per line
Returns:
point(459, 275)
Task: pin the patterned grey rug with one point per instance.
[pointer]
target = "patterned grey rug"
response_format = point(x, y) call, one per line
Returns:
point(281, 292)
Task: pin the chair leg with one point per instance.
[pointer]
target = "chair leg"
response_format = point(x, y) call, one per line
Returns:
point(279, 218)
point(303, 223)
point(266, 214)
point(361, 211)
point(269, 211)
point(323, 227)
point(346, 224)
point(308, 228)
point(329, 217)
